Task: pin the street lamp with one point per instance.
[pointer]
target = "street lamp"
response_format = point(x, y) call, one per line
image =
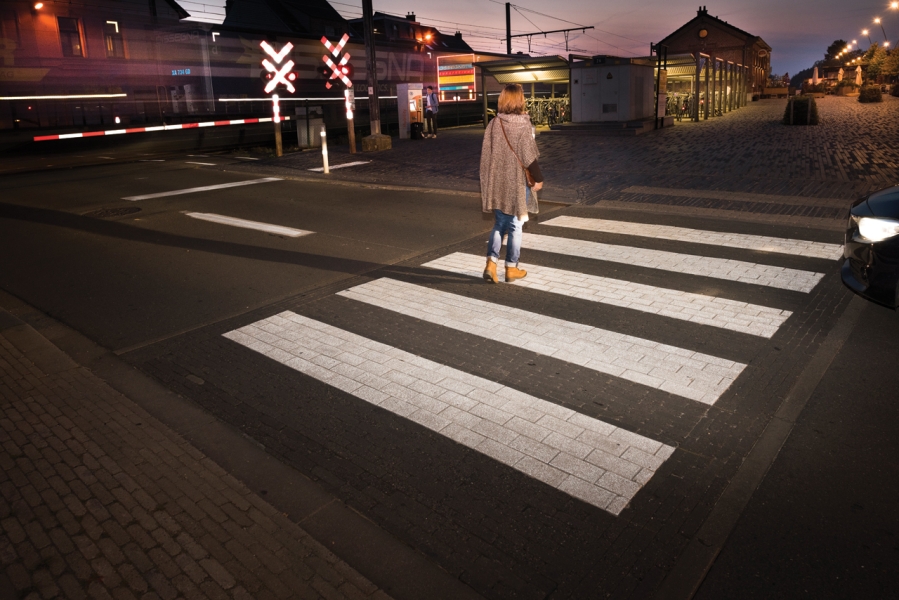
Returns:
point(865, 32)
point(877, 20)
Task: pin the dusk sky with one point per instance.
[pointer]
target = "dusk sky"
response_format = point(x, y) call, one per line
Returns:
point(799, 31)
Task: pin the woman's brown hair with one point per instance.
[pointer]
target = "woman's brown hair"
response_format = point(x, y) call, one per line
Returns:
point(511, 100)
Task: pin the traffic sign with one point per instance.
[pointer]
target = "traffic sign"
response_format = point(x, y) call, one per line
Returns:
point(277, 73)
point(341, 70)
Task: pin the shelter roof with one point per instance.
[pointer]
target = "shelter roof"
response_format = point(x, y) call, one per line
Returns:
point(527, 69)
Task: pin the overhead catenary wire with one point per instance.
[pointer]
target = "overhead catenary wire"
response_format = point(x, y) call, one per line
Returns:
point(491, 36)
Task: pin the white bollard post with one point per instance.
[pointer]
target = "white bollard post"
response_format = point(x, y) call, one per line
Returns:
point(324, 135)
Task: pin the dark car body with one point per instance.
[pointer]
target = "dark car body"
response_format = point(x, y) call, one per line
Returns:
point(871, 268)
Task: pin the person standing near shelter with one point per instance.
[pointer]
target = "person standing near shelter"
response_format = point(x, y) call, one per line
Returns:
point(508, 147)
point(431, 105)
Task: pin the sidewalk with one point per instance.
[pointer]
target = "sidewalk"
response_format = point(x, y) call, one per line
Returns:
point(98, 499)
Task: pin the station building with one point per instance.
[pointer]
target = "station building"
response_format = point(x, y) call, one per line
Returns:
point(713, 67)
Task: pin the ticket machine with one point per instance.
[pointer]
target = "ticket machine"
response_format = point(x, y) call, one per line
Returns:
point(411, 114)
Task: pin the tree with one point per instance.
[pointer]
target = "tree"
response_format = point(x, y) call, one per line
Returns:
point(890, 65)
point(801, 76)
point(876, 57)
point(835, 48)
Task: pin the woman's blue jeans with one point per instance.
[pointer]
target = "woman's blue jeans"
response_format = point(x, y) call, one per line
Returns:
point(505, 225)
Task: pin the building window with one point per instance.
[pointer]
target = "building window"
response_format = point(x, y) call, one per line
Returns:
point(9, 32)
point(115, 45)
point(70, 36)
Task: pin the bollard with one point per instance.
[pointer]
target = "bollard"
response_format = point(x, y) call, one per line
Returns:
point(324, 135)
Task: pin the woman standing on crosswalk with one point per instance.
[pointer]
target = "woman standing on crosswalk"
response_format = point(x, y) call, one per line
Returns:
point(508, 148)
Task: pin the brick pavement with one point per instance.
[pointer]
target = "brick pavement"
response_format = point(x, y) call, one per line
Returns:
point(742, 162)
point(98, 499)
point(501, 532)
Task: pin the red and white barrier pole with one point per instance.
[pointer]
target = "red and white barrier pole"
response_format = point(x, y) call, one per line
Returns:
point(69, 136)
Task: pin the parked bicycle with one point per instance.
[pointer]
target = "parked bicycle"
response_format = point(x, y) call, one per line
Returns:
point(548, 111)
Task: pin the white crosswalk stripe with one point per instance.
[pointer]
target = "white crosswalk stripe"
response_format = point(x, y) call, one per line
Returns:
point(718, 268)
point(579, 455)
point(699, 236)
point(697, 308)
point(682, 372)
point(589, 459)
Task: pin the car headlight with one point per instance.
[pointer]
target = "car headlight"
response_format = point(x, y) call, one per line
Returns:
point(877, 230)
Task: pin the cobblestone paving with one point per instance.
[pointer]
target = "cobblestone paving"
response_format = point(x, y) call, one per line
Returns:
point(100, 500)
point(852, 151)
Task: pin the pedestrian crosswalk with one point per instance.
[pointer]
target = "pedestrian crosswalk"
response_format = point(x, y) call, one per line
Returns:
point(711, 238)
point(692, 264)
point(689, 374)
point(584, 457)
point(604, 464)
point(697, 308)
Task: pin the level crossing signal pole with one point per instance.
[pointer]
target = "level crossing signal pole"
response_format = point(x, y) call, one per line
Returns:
point(278, 73)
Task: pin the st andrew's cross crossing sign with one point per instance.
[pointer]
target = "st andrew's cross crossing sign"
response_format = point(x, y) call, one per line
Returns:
point(279, 74)
point(343, 68)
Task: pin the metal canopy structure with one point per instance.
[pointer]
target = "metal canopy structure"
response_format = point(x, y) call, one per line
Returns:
point(681, 66)
point(527, 69)
point(714, 83)
point(524, 69)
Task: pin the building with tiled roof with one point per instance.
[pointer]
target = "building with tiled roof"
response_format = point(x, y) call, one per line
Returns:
point(719, 39)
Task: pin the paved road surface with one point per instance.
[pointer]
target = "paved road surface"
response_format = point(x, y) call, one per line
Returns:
point(597, 429)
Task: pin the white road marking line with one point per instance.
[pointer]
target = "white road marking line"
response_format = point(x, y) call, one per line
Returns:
point(584, 457)
point(205, 188)
point(151, 160)
point(718, 268)
point(700, 236)
point(350, 164)
point(235, 222)
point(199, 155)
point(106, 157)
point(693, 375)
point(189, 162)
point(245, 158)
point(697, 308)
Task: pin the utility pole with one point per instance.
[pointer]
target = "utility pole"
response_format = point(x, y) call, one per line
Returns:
point(508, 28)
point(376, 141)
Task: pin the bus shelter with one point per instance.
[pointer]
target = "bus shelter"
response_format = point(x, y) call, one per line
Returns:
point(525, 70)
